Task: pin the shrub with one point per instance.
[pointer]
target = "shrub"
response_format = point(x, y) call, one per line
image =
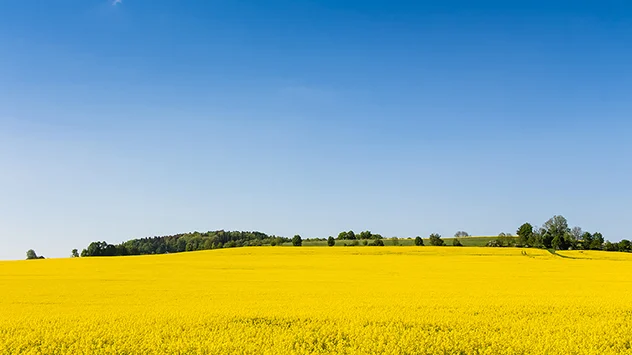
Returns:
point(456, 242)
point(418, 241)
point(331, 241)
point(30, 254)
point(494, 243)
point(297, 241)
point(435, 240)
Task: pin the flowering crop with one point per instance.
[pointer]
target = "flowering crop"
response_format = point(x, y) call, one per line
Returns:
point(295, 300)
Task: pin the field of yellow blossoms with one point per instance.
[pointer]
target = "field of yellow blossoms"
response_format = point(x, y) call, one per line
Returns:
point(296, 300)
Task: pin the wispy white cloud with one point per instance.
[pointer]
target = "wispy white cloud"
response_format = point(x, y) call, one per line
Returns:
point(116, 2)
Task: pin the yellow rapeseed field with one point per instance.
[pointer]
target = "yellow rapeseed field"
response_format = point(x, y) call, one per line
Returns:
point(295, 300)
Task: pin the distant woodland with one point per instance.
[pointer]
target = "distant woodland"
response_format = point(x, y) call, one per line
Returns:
point(554, 234)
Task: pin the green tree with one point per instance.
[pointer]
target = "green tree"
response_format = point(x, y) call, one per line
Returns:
point(556, 226)
point(365, 235)
point(30, 255)
point(559, 243)
point(297, 241)
point(75, 253)
point(461, 234)
point(435, 240)
point(342, 235)
point(610, 246)
point(597, 241)
point(418, 241)
point(571, 241)
point(586, 240)
point(331, 241)
point(351, 235)
point(536, 239)
point(625, 245)
point(456, 242)
point(525, 232)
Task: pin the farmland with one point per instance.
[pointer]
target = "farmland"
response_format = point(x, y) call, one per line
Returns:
point(369, 300)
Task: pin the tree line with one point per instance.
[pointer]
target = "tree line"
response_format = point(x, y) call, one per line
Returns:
point(555, 233)
point(183, 242)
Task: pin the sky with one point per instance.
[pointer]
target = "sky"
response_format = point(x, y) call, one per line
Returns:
point(137, 118)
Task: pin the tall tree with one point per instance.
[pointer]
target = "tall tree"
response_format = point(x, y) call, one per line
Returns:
point(577, 232)
point(75, 253)
point(297, 241)
point(556, 226)
point(525, 232)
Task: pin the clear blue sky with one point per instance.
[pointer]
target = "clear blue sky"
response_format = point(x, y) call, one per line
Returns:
point(156, 117)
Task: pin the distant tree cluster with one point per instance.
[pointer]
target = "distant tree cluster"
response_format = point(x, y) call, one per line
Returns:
point(435, 240)
point(624, 245)
point(461, 234)
point(182, 242)
point(503, 240)
point(31, 255)
point(350, 235)
point(556, 234)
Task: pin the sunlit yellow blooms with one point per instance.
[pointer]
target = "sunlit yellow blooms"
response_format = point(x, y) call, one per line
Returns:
point(294, 300)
